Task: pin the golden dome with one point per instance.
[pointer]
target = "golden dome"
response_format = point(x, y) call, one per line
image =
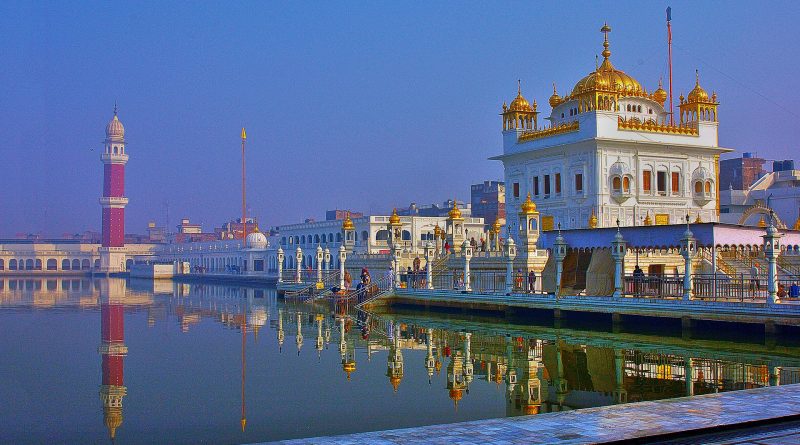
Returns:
point(762, 223)
point(496, 226)
point(647, 220)
point(606, 77)
point(593, 221)
point(520, 103)
point(349, 368)
point(698, 94)
point(659, 95)
point(555, 99)
point(347, 224)
point(395, 381)
point(531, 410)
point(528, 207)
point(395, 218)
point(454, 213)
point(437, 231)
point(797, 224)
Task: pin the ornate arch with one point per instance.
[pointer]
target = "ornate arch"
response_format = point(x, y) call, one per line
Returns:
point(761, 209)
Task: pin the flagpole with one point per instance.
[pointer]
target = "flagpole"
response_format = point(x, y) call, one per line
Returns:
point(244, 206)
point(669, 46)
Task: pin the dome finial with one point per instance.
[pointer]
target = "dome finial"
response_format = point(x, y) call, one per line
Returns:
point(605, 30)
point(115, 108)
point(519, 87)
point(697, 77)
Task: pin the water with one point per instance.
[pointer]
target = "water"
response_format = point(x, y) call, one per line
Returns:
point(176, 363)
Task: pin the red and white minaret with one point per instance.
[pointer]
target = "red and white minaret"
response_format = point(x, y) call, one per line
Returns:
point(113, 201)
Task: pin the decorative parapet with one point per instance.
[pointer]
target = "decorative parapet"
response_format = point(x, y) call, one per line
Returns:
point(651, 126)
point(547, 132)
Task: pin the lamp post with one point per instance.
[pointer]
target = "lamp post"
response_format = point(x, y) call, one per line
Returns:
point(280, 264)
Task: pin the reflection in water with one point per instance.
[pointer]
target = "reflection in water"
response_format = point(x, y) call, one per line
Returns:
point(535, 369)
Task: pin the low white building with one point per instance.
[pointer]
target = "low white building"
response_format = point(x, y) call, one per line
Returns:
point(778, 191)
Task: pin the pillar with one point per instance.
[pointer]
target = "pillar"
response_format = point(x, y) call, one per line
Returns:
point(618, 248)
point(280, 264)
point(342, 258)
point(429, 253)
point(299, 270)
point(772, 250)
point(688, 250)
point(327, 260)
point(511, 253)
point(320, 258)
point(689, 375)
point(560, 252)
point(466, 250)
point(396, 264)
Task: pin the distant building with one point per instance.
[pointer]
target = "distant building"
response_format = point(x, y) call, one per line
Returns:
point(489, 201)
point(234, 229)
point(156, 234)
point(188, 233)
point(778, 191)
point(435, 210)
point(340, 215)
point(740, 173)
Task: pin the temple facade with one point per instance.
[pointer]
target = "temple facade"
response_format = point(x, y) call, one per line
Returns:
point(612, 151)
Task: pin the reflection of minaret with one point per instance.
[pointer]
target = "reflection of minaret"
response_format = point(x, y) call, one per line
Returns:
point(348, 356)
point(394, 366)
point(281, 334)
point(533, 385)
point(113, 350)
point(243, 422)
point(561, 382)
point(455, 378)
point(430, 360)
point(320, 339)
point(299, 337)
point(468, 367)
point(620, 394)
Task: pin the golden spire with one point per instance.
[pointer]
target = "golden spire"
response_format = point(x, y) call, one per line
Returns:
point(244, 134)
point(554, 99)
point(496, 226)
point(593, 220)
point(520, 103)
point(761, 222)
point(395, 218)
point(647, 220)
point(698, 94)
point(698, 220)
point(347, 224)
point(528, 207)
point(606, 52)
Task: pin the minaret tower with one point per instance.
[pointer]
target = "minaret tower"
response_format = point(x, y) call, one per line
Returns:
point(112, 350)
point(113, 201)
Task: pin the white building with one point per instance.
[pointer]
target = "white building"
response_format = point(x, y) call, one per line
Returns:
point(778, 191)
point(611, 150)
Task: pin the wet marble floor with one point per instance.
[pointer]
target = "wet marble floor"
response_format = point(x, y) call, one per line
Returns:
point(659, 420)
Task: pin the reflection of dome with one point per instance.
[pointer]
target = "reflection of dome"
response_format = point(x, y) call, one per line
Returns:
point(113, 420)
point(454, 213)
point(593, 221)
point(257, 317)
point(395, 218)
point(114, 129)
point(256, 240)
point(606, 77)
point(456, 395)
point(531, 410)
point(395, 381)
point(528, 207)
point(349, 367)
point(347, 224)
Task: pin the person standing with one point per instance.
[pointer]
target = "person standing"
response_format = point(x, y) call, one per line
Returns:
point(531, 281)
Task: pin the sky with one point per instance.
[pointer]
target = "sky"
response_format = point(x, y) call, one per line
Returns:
point(361, 105)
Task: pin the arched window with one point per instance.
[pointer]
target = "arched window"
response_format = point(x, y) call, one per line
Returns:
point(12, 265)
point(639, 108)
point(406, 235)
point(698, 187)
point(364, 235)
point(626, 184)
point(316, 239)
point(339, 237)
point(76, 264)
point(382, 235)
point(28, 264)
point(2, 264)
point(52, 264)
point(708, 187)
point(302, 238)
point(64, 264)
point(85, 264)
point(616, 184)
point(37, 265)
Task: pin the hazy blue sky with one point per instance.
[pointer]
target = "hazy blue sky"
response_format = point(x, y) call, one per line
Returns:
point(362, 105)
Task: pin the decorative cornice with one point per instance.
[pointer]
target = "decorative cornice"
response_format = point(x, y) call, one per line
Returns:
point(547, 132)
point(653, 127)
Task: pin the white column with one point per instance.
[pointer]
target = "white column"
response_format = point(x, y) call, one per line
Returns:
point(511, 253)
point(772, 250)
point(280, 264)
point(618, 248)
point(327, 259)
point(560, 252)
point(429, 254)
point(396, 264)
point(466, 250)
point(342, 258)
point(299, 258)
point(320, 258)
point(688, 248)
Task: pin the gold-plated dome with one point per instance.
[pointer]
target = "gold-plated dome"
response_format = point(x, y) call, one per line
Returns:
point(437, 231)
point(528, 207)
point(647, 220)
point(395, 381)
point(347, 224)
point(349, 367)
point(555, 99)
point(395, 218)
point(593, 221)
point(454, 213)
point(520, 103)
point(698, 94)
point(606, 77)
point(698, 220)
point(659, 95)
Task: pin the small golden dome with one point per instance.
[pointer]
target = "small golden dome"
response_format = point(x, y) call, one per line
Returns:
point(797, 224)
point(395, 218)
point(528, 207)
point(647, 220)
point(347, 224)
point(555, 99)
point(496, 227)
point(454, 213)
point(520, 103)
point(762, 223)
point(593, 221)
point(698, 220)
point(698, 94)
point(659, 95)
point(349, 367)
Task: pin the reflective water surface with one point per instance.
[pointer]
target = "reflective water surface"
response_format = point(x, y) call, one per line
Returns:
point(88, 361)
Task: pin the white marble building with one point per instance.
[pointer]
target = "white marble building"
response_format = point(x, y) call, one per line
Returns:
point(611, 151)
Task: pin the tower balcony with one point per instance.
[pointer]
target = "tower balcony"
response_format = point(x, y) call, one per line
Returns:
point(114, 158)
point(114, 202)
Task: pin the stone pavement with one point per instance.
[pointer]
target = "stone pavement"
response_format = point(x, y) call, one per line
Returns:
point(667, 421)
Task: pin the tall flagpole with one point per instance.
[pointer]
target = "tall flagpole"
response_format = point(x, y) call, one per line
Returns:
point(244, 205)
point(669, 45)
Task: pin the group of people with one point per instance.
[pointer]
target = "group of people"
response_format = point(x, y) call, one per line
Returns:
point(472, 242)
point(525, 282)
point(793, 292)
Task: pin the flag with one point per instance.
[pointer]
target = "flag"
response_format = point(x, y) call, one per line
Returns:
point(669, 13)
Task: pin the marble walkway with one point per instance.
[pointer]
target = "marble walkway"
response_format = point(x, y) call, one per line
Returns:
point(656, 421)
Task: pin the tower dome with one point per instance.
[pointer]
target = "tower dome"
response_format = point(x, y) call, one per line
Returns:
point(256, 240)
point(659, 95)
point(698, 94)
point(347, 224)
point(395, 218)
point(555, 99)
point(115, 130)
point(454, 212)
point(520, 103)
point(606, 77)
